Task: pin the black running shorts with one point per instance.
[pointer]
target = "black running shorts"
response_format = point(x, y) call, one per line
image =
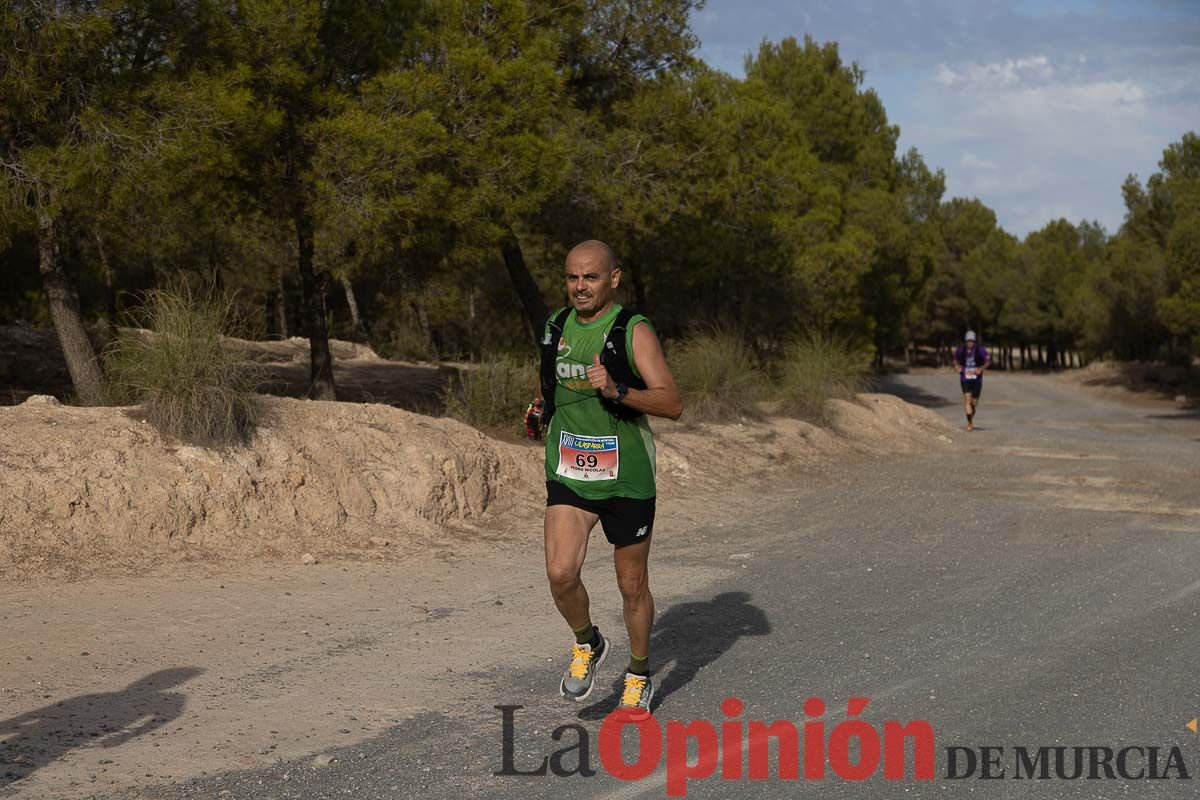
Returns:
point(626, 520)
point(972, 388)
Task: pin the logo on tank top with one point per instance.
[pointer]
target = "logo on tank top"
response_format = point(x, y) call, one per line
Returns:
point(566, 370)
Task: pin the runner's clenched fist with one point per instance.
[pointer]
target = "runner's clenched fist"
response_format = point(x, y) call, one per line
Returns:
point(600, 379)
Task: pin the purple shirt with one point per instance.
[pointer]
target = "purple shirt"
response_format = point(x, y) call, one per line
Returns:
point(969, 359)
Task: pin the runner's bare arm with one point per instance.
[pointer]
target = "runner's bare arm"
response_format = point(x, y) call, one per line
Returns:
point(660, 398)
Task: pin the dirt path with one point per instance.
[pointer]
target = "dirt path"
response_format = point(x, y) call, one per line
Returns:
point(197, 678)
point(186, 669)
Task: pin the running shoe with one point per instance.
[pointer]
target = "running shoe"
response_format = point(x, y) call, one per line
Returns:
point(639, 691)
point(580, 677)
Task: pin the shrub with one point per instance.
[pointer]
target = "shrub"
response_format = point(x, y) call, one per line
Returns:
point(492, 394)
point(718, 376)
point(191, 382)
point(816, 370)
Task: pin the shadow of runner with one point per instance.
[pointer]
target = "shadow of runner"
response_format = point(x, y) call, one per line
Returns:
point(32, 740)
point(689, 637)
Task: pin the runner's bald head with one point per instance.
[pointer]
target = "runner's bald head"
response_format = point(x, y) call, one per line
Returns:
point(593, 252)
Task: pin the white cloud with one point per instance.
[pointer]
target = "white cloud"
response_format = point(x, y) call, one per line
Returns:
point(972, 161)
point(1035, 140)
point(998, 74)
point(1056, 120)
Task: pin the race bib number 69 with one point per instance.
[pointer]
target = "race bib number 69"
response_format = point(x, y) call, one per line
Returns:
point(587, 458)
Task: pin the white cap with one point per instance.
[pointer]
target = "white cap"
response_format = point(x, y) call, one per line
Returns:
point(970, 337)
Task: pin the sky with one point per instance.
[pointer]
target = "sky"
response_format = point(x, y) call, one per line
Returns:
point(1039, 109)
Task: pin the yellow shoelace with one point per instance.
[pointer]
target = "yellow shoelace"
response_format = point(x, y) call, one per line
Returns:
point(580, 659)
point(633, 690)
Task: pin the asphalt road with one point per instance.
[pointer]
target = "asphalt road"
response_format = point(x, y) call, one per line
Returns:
point(1035, 585)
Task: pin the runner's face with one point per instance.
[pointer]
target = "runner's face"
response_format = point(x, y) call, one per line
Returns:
point(590, 284)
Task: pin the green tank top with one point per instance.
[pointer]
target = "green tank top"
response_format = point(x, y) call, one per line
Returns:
point(588, 449)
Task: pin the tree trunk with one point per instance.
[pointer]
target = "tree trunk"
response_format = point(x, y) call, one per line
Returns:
point(270, 303)
point(281, 322)
point(321, 386)
point(536, 312)
point(431, 350)
point(110, 294)
point(639, 290)
point(85, 372)
point(471, 321)
point(359, 330)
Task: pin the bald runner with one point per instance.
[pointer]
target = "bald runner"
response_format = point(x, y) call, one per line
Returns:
point(603, 376)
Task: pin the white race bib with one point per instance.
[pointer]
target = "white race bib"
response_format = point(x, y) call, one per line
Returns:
point(587, 458)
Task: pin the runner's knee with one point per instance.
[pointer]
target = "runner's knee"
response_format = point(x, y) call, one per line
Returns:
point(562, 577)
point(634, 584)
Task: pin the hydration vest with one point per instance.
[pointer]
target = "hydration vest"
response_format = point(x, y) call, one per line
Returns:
point(613, 356)
point(960, 355)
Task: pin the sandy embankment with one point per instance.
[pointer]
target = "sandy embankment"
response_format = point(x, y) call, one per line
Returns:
point(95, 490)
point(196, 642)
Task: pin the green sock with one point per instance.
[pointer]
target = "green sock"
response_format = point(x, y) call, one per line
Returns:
point(639, 665)
point(584, 635)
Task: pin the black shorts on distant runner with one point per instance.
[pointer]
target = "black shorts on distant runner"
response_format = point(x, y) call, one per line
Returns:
point(972, 388)
point(626, 520)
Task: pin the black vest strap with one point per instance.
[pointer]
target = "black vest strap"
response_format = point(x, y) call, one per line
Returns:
point(549, 379)
point(614, 357)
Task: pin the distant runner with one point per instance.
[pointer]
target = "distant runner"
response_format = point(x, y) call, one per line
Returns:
point(971, 359)
point(603, 372)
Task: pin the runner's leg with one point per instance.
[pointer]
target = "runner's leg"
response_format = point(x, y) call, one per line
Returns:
point(633, 579)
point(567, 532)
point(567, 529)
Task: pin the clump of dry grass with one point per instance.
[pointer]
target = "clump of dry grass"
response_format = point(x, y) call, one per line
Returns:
point(814, 371)
point(493, 394)
point(191, 382)
point(718, 376)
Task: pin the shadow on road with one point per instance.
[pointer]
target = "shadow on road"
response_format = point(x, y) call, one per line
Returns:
point(1186, 414)
point(687, 638)
point(109, 719)
point(889, 384)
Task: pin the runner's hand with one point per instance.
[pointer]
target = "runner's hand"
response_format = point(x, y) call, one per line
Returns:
point(601, 381)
